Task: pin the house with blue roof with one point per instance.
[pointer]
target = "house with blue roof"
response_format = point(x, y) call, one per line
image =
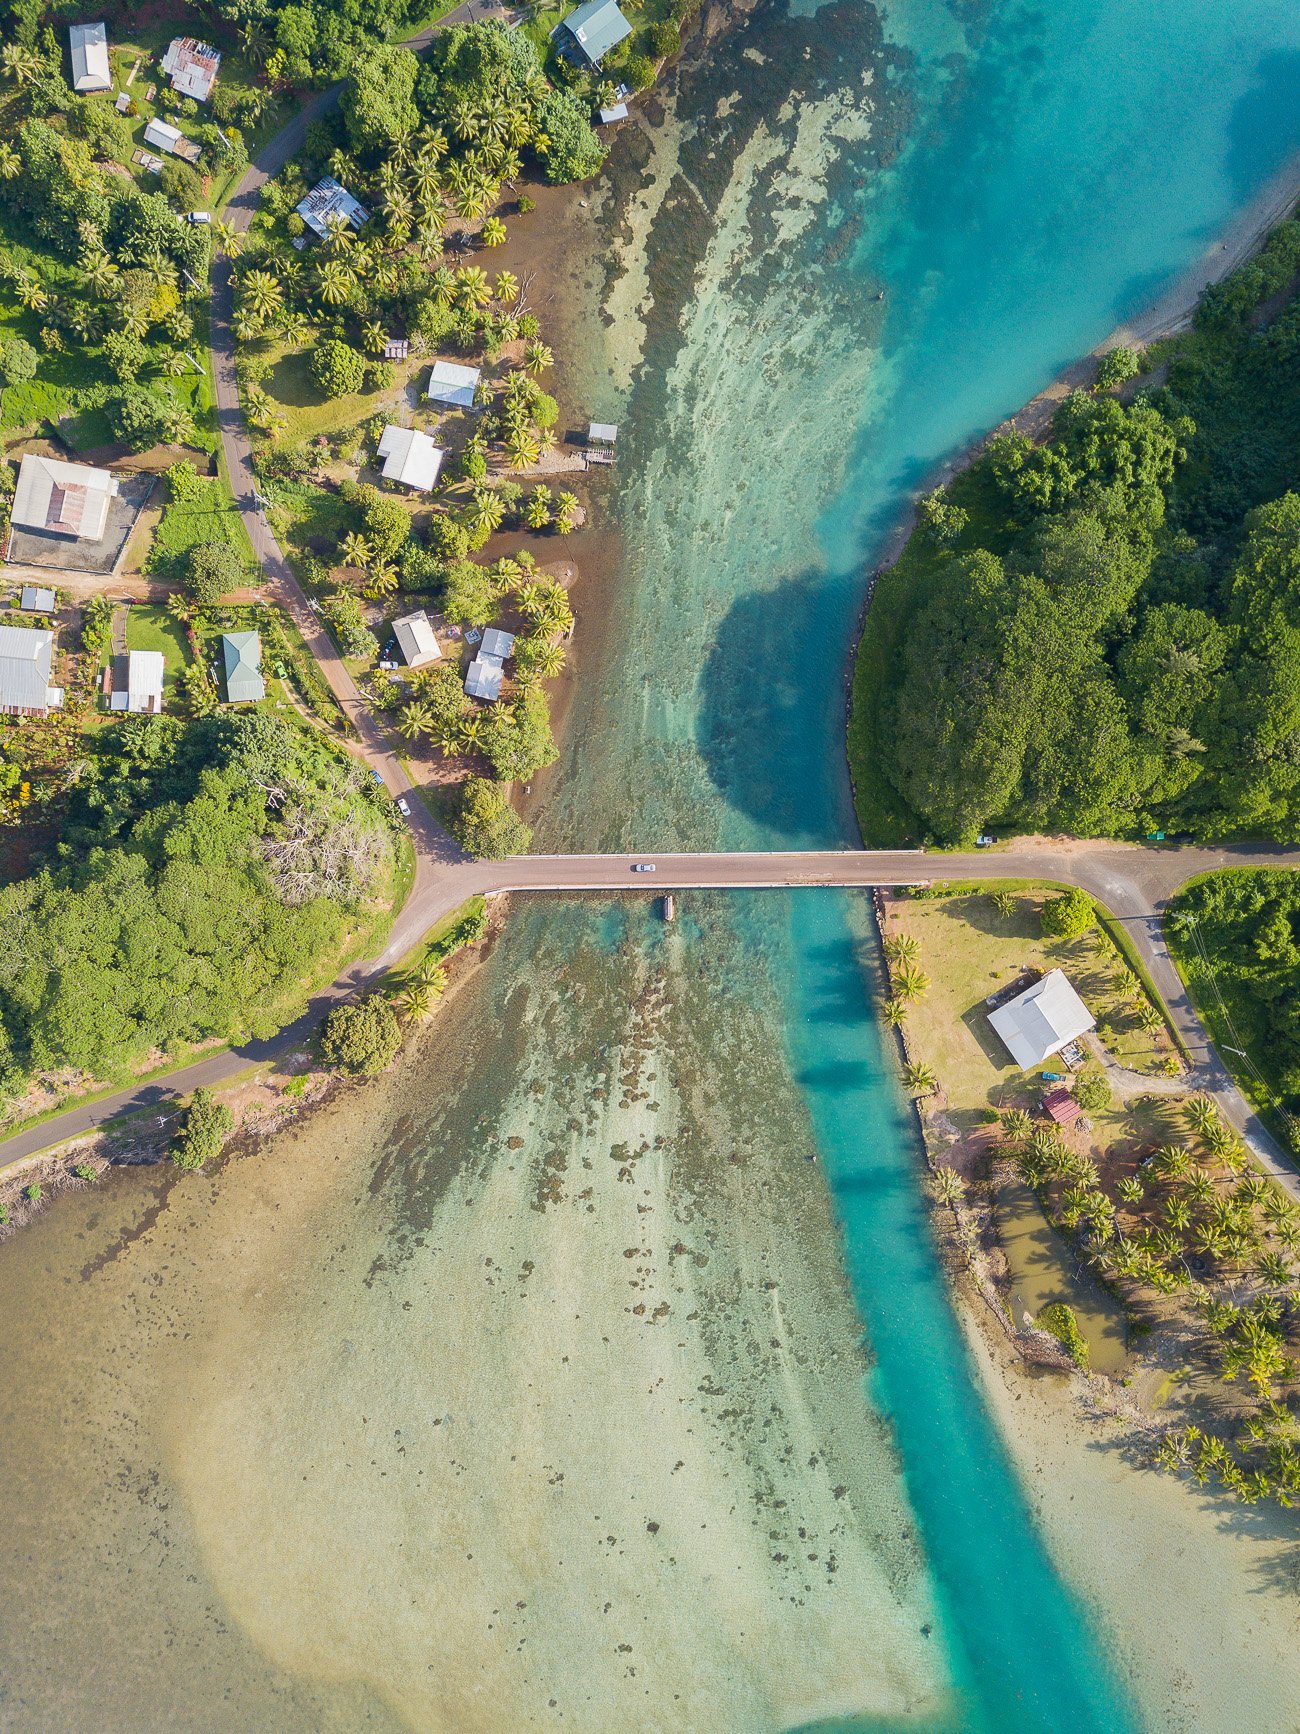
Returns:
point(593, 30)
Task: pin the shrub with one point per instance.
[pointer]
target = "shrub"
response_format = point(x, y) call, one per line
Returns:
point(1092, 1089)
point(1069, 915)
point(208, 1123)
point(32, 1192)
point(387, 523)
point(469, 598)
point(84, 1170)
point(1117, 366)
point(212, 570)
point(337, 369)
point(344, 614)
point(181, 184)
point(485, 824)
point(1059, 1320)
point(664, 38)
point(361, 1038)
point(574, 152)
point(18, 362)
point(639, 71)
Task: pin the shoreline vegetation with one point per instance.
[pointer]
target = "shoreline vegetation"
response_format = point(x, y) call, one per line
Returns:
point(1163, 1267)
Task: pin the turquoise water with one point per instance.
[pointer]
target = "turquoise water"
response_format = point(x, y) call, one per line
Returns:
point(1028, 177)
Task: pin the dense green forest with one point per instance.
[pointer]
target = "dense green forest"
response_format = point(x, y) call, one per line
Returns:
point(1101, 634)
point(207, 874)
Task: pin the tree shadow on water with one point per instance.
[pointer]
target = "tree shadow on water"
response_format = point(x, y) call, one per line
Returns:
point(770, 724)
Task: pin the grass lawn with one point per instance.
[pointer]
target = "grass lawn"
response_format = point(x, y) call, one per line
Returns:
point(308, 519)
point(297, 396)
point(970, 949)
point(211, 517)
point(150, 627)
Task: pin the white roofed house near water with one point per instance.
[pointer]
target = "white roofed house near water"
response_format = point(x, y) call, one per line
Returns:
point(410, 457)
point(90, 68)
point(453, 385)
point(1042, 1020)
point(483, 678)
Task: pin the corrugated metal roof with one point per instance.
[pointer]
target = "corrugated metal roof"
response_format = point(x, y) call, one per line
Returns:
point(242, 655)
point(597, 27)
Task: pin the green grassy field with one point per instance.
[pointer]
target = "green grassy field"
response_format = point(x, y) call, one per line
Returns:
point(185, 523)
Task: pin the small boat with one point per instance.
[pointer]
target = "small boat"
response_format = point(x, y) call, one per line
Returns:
point(668, 908)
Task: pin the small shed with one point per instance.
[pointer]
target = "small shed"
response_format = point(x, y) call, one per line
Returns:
point(241, 653)
point(35, 599)
point(123, 102)
point(397, 349)
point(166, 137)
point(608, 116)
point(483, 678)
point(1062, 1107)
point(602, 433)
point(1041, 1020)
point(416, 639)
point(90, 68)
point(594, 29)
point(410, 457)
point(497, 644)
point(192, 66)
point(453, 385)
point(143, 692)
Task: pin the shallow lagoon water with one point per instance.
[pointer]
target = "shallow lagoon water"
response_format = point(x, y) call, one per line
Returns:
point(1016, 179)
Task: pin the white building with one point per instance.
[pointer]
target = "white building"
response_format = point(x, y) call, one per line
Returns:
point(26, 655)
point(143, 694)
point(1041, 1020)
point(416, 639)
point(90, 68)
point(453, 385)
point(483, 678)
point(497, 644)
point(410, 457)
point(62, 499)
point(328, 199)
point(192, 67)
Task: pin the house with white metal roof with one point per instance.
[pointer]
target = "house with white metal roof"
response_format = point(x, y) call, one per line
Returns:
point(62, 499)
point(416, 639)
point(192, 66)
point(497, 644)
point(241, 654)
point(1042, 1020)
point(26, 657)
point(453, 385)
point(410, 457)
point(602, 433)
point(328, 200)
point(483, 678)
point(90, 68)
point(143, 693)
point(593, 30)
point(36, 599)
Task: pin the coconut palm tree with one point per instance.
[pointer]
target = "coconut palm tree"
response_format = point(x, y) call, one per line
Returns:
point(920, 1078)
point(550, 660)
point(485, 510)
point(946, 1186)
point(414, 1002)
point(1173, 1161)
point(381, 580)
point(523, 449)
point(902, 948)
point(333, 282)
point(426, 177)
point(1130, 1189)
point(432, 973)
point(566, 512)
point(895, 1012)
point(340, 236)
point(413, 720)
point(101, 273)
point(470, 730)
point(442, 285)
point(537, 514)
point(30, 293)
point(21, 65)
point(1274, 1268)
point(538, 356)
point(355, 551)
point(472, 287)
point(910, 982)
point(1177, 1214)
point(1202, 1115)
point(261, 294)
point(227, 239)
point(10, 161)
point(505, 287)
point(493, 232)
point(1200, 1187)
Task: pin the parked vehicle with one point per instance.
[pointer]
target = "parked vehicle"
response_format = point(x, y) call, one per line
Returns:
point(643, 866)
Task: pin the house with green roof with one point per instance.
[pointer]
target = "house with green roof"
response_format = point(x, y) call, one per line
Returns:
point(593, 29)
point(242, 654)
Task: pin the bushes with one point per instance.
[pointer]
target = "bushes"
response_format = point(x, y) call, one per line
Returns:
point(337, 369)
point(212, 570)
point(1069, 915)
point(345, 615)
point(485, 824)
point(1059, 1320)
point(574, 151)
point(1092, 1089)
point(208, 1123)
point(361, 1038)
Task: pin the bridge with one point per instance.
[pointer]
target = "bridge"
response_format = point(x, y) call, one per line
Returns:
point(1134, 882)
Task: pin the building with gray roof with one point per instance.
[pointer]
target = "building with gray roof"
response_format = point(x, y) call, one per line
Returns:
point(241, 653)
point(594, 29)
point(26, 657)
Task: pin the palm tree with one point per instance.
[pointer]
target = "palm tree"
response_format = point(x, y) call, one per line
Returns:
point(945, 1184)
point(493, 232)
point(340, 236)
point(920, 1078)
point(101, 273)
point(549, 661)
point(1130, 1189)
point(537, 356)
point(902, 948)
point(1016, 1125)
point(537, 514)
point(180, 607)
point(442, 285)
point(1149, 1018)
point(1200, 1187)
point(432, 974)
point(910, 982)
point(472, 287)
point(414, 1002)
point(426, 179)
point(1177, 1214)
point(10, 161)
point(244, 326)
point(413, 720)
point(485, 511)
point(355, 551)
point(523, 449)
point(505, 287)
point(1203, 1115)
point(566, 512)
point(381, 580)
point(470, 730)
point(1275, 1269)
point(261, 293)
point(227, 239)
point(333, 282)
point(895, 1011)
point(20, 64)
point(1173, 1161)
point(374, 339)
point(31, 294)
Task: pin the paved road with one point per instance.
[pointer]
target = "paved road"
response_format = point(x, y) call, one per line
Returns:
point(1134, 881)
